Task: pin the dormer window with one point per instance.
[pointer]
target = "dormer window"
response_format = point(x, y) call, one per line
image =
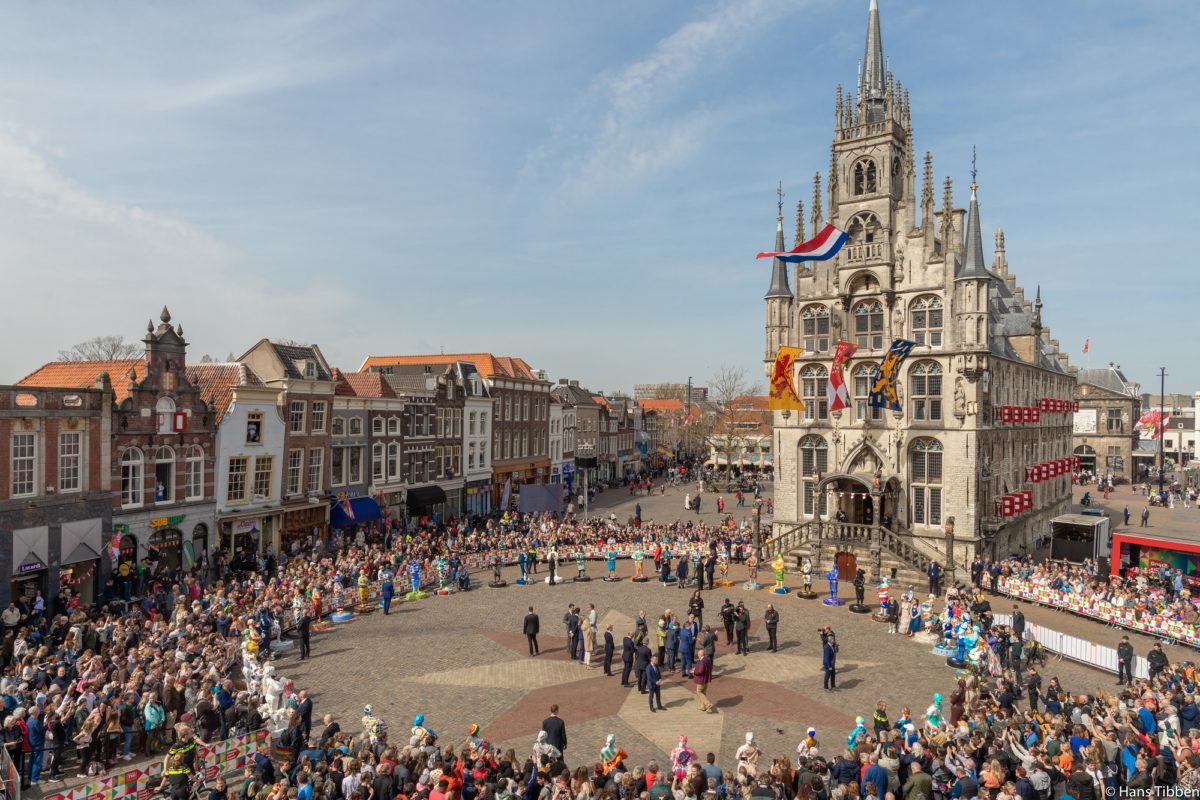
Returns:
point(310, 369)
point(254, 422)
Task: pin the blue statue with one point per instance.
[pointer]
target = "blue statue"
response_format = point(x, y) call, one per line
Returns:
point(414, 574)
point(832, 577)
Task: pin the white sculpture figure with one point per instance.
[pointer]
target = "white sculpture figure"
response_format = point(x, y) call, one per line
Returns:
point(272, 688)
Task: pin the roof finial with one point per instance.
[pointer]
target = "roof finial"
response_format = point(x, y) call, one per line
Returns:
point(816, 204)
point(165, 316)
point(149, 326)
point(974, 172)
point(779, 203)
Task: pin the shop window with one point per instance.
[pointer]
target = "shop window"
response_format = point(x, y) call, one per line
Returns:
point(164, 475)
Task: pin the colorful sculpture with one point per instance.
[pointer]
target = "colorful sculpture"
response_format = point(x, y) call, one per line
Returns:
point(638, 556)
point(778, 565)
point(832, 577)
point(806, 570)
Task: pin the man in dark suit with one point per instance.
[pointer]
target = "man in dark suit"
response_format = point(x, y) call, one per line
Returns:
point(533, 626)
point(305, 630)
point(609, 649)
point(627, 649)
point(556, 729)
point(640, 663)
point(304, 708)
point(829, 663)
point(1018, 623)
point(572, 632)
point(771, 620)
point(934, 572)
point(710, 567)
point(741, 622)
point(654, 684)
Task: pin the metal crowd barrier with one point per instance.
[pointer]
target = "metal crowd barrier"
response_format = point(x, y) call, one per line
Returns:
point(1076, 649)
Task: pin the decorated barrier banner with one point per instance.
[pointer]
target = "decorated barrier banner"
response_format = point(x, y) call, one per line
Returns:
point(216, 759)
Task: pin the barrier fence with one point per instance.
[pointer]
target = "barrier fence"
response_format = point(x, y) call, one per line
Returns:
point(1175, 630)
point(216, 759)
point(11, 777)
point(1075, 648)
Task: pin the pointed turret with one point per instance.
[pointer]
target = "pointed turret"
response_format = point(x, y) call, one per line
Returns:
point(1000, 260)
point(1037, 313)
point(800, 237)
point(779, 278)
point(973, 265)
point(927, 194)
point(872, 87)
point(817, 221)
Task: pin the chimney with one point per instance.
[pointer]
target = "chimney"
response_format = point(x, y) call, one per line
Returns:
point(562, 381)
point(574, 383)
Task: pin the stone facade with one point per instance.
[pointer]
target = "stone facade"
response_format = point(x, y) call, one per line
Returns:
point(1104, 433)
point(944, 460)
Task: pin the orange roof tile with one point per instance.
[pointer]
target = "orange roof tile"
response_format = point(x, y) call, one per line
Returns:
point(487, 364)
point(83, 374)
point(364, 384)
point(216, 382)
point(664, 404)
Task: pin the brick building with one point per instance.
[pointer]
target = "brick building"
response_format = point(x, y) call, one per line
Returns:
point(55, 491)
point(520, 420)
point(162, 449)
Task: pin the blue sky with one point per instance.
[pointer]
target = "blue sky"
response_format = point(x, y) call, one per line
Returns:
point(580, 184)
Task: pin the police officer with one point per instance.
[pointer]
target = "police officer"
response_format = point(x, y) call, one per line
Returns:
point(179, 764)
point(742, 625)
point(727, 615)
point(1125, 662)
point(771, 620)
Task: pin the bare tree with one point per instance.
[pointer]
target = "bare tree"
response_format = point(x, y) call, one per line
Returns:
point(207, 359)
point(670, 391)
point(102, 348)
point(721, 428)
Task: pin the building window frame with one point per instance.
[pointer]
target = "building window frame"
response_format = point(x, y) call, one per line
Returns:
point(70, 462)
point(295, 472)
point(925, 391)
point(926, 321)
point(238, 477)
point(296, 411)
point(814, 328)
point(925, 465)
point(264, 474)
point(868, 325)
point(133, 464)
point(23, 464)
point(814, 379)
point(316, 468)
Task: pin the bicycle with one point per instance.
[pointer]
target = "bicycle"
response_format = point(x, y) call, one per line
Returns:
point(199, 789)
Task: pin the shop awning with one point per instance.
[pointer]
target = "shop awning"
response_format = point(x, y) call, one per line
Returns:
point(425, 496)
point(81, 540)
point(364, 509)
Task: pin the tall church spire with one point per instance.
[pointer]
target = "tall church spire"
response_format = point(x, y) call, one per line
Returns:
point(779, 279)
point(973, 265)
point(873, 85)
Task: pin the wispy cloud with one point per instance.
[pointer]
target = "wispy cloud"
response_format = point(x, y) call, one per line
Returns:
point(629, 125)
point(29, 177)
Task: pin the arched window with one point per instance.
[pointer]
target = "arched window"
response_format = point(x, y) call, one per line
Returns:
point(865, 177)
point(814, 460)
point(164, 475)
point(193, 473)
point(813, 380)
point(164, 410)
point(377, 463)
point(863, 374)
point(868, 325)
point(131, 478)
point(925, 479)
point(393, 461)
point(864, 229)
point(927, 321)
point(926, 396)
point(815, 322)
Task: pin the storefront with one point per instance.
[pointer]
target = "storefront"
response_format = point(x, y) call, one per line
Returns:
point(348, 513)
point(303, 526)
point(166, 542)
point(478, 498)
point(30, 556)
point(79, 568)
point(426, 501)
point(249, 534)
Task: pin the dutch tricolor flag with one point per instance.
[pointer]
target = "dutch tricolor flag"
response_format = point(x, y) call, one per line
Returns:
point(821, 247)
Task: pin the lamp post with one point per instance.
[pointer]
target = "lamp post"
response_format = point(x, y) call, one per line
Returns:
point(1162, 427)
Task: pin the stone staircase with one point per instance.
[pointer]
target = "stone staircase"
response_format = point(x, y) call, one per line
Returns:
point(898, 556)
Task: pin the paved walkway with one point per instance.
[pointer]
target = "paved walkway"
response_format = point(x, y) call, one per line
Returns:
point(462, 660)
